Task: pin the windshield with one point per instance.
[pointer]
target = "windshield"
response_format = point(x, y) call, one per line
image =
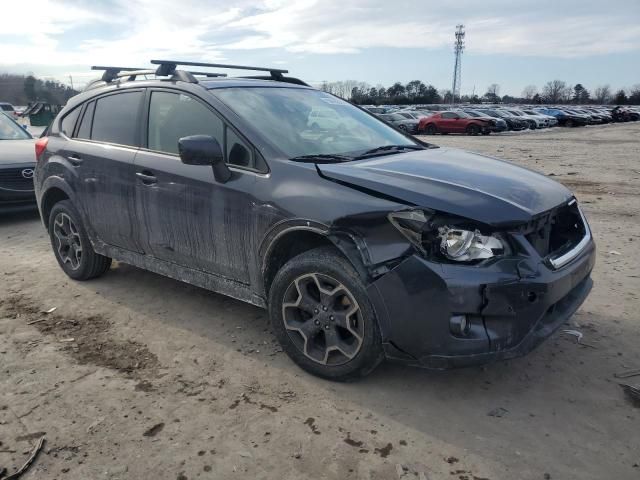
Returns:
point(283, 115)
point(9, 130)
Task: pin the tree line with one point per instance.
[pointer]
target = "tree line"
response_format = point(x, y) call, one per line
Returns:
point(417, 92)
point(25, 89)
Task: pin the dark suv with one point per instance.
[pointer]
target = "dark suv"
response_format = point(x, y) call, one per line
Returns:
point(363, 242)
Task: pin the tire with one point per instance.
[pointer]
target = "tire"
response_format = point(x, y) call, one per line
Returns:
point(431, 129)
point(68, 238)
point(307, 280)
point(473, 130)
point(569, 123)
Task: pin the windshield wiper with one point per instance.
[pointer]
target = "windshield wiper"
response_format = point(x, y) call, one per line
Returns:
point(322, 158)
point(387, 149)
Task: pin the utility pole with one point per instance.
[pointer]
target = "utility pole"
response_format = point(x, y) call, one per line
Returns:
point(71, 79)
point(457, 69)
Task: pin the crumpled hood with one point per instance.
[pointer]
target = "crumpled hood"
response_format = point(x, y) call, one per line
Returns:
point(17, 151)
point(466, 184)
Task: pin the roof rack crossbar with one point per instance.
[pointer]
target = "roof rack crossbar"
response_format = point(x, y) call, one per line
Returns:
point(170, 66)
point(111, 73)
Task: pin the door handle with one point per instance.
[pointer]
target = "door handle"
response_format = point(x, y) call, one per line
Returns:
point(147, 177)
point(75, 160)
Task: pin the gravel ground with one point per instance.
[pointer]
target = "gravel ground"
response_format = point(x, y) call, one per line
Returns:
point(139, 376)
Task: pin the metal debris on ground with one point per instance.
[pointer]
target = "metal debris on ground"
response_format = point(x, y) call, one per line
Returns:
point(29, 461)
point(633, 393)
point(579, 336)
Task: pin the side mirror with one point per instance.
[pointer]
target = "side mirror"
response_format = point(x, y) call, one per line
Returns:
point(204, 150)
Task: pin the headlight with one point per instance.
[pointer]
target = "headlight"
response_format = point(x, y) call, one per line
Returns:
point(465, 245)
point(441, 238)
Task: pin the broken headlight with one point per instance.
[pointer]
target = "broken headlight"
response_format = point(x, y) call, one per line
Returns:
point(446, 237)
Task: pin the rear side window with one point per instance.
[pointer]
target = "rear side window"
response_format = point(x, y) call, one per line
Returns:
point(175, 115)
point(116, 119)
point(69, 121)
point(84, 130)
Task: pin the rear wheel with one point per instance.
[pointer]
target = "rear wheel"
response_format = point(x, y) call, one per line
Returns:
point(569, 123)
point(71, 245)
point(323, 318)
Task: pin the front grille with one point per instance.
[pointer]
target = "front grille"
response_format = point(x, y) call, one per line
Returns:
point(13, 179)
point(558, 231)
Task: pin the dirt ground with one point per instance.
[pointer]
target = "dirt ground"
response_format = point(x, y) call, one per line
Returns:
point(136, 376)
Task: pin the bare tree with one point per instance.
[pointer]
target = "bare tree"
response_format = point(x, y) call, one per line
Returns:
point(493, 93)
point(529, 92)
point(602, 94)
point(555, 91)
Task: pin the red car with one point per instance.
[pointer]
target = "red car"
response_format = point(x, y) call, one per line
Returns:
point(454, 122)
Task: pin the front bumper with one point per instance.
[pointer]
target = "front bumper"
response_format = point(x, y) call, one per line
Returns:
point(512, 305)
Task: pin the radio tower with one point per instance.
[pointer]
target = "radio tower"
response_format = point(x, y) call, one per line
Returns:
point(457, 69)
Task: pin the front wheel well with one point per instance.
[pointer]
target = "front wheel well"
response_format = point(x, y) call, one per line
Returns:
point(50, 198)
point(288, 246)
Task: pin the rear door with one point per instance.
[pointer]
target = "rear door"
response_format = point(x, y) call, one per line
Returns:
point(102, 154)
point(189, 218)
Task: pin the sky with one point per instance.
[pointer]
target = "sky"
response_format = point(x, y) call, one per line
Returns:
point(513, 43)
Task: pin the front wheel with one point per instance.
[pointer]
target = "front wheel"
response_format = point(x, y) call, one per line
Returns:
point(473, 130)
point(71, 245)
point(323, 318)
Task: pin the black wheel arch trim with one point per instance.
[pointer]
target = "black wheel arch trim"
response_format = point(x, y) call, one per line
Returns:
point(350, 245)
point(51, 183)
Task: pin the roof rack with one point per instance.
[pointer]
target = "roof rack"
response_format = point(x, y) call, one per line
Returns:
point(111, 73)
point(167, 67)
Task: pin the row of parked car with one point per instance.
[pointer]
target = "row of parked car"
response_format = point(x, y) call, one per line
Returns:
point(483, 119)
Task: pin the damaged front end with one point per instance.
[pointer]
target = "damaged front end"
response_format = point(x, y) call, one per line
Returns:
point(468, 293)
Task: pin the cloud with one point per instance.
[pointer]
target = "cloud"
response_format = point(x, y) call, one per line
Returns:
point(74, 32)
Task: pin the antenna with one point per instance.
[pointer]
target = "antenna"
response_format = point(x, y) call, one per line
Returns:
point(457, 69)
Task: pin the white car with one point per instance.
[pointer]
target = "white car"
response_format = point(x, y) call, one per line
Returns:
point(538, 120)
point(552, 121)
point(8, 109)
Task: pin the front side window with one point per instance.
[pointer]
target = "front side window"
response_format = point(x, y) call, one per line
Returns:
point(284, 116)
point(116, 118)
point(175, 115)
point(449, 115)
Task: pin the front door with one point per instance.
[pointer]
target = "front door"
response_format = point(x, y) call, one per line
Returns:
point(189, 218)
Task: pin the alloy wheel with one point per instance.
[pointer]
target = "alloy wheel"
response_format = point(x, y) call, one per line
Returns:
point(68, 244)
point(323, 319)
